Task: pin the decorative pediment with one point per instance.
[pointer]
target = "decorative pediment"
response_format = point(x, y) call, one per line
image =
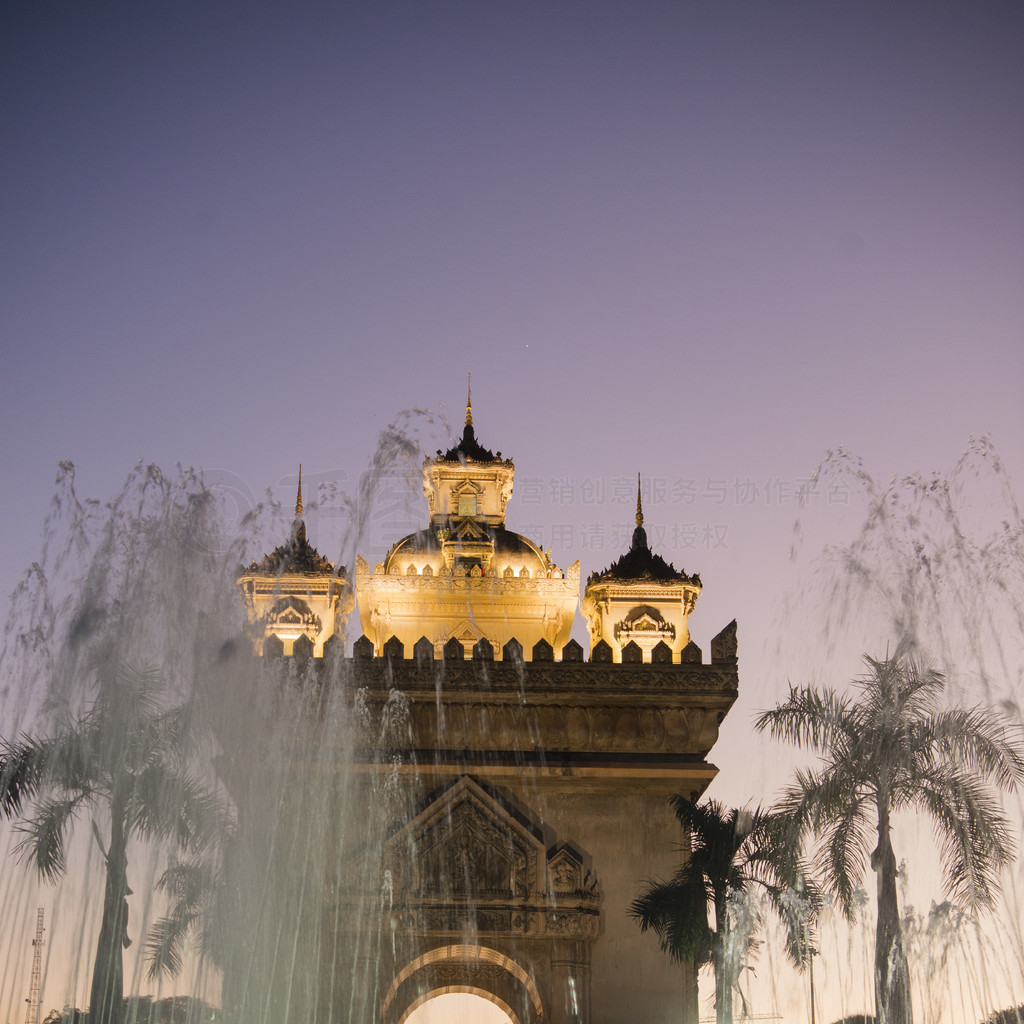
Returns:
point(568, 871)
point(466, 844)
point(469, 529)
point(293, 615)
point(467, 631)
point(644, 621)
point(467, 488)
point(472, 861)
point(289, 609)
point(644, 617)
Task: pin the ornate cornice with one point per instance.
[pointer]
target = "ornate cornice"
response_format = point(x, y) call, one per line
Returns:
point(398, 583)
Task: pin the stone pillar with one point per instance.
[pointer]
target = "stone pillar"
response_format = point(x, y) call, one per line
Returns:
point(570, 982)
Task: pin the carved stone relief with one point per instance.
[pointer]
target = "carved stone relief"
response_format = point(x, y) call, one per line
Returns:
point(467, 861)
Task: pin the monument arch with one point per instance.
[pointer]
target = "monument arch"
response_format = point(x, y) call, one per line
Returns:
point(533, 779)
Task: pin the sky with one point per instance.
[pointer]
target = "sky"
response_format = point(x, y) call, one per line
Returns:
point(705, 242)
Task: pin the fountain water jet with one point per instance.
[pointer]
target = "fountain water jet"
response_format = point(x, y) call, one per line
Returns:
point(148, 578)
point(938, 562)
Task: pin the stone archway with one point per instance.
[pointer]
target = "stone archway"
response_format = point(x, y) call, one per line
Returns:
point(464, 968)
point(485, 898)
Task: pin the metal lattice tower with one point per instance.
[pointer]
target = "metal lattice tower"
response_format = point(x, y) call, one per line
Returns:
point(32, 1013)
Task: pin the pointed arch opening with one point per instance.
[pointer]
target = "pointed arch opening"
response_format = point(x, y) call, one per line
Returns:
point(461, 1005)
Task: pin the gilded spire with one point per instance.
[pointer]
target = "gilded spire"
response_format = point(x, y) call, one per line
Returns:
point(639, 534)
point(298, 497)
point(468, 447)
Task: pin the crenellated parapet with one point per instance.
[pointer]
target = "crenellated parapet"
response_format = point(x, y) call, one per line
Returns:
point(479, 708)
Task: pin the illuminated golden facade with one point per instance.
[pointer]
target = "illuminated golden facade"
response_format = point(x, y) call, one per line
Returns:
point(466, 576)
point(535, 779)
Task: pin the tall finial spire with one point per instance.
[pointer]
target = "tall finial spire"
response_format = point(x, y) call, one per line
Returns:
point(298, 497)
point(469, 401)
point(639, 534)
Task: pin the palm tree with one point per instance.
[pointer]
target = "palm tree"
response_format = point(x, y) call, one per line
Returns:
point(126, 760)
point(892, 747)
point(729, 853)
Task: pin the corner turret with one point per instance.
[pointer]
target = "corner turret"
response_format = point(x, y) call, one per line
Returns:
point(640, 598)
point(295, 592)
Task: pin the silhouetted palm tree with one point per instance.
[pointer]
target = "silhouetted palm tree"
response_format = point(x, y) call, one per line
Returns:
point(125, 760)
point(193, 887)
point(730, 852)
point(892, 747)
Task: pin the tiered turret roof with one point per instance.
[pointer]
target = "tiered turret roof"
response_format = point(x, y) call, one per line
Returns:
point(296, 555)
point(640, 562)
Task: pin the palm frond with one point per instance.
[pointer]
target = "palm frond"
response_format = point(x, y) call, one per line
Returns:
point(45, 835)
point(41, 762)
point(192, 886)
point(701, 820)
point(171, 805)
point(981, 740)
point(20, 776)
point(847, 842)
point(165, 945)
point(677, 912)
point(974, 835)
point(73, 757)
point(137, 690)
point(189, 883)
point(775, 863)
point(809, 718)
point(797, 907)
point(176, 732)
point(772, 852)
point(817, 798)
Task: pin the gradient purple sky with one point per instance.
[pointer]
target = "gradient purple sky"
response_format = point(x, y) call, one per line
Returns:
point(703, 241)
